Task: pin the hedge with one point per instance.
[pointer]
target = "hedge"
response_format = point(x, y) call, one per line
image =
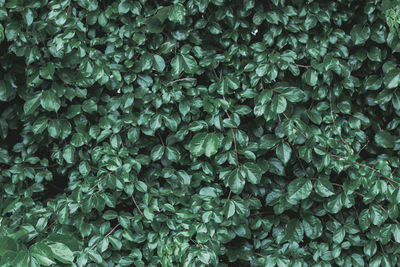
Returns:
point(199, 133)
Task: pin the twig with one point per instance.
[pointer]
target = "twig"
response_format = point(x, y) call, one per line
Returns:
point(44, 167)
point(297, 129)
point(258, 254)
point(297, 156)
point(229, 195)
point(303, 66)
point(134, 201)
point(162, 142)
point(362, 195)
point(109, 233)
point(333, 119)
point(181, 80)
point(365, 166)
point(235, 147)
point(215, 74)
point(200, 245)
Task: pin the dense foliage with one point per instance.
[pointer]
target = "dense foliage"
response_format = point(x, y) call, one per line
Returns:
point(199, 133)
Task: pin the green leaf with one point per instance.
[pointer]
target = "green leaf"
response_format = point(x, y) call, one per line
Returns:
point(39, 125)
point(95, 256)
point(32, 103)
point(54, 128)
point(229, 209)
point(22, 259)
point(173, 154)
point(184, 177)
point(50, 101)
point(268, 141)
point(196, 145)
point(157, 152)
point(84, 168)
point(299, 189)
point(78, 140)
point(69, 154)
point(324, 188)
point(360, 33)
point(61, 252)
point(278, 104)
point(177, 13)
point(204, 143)
point(236, 181)
point(159, 63)
point(384, 139)
point(253, 172)
point(284, 151)
point(141, 186)
point(392, 78)
point(123, 7)
point(47, 71)
point(189, 63)
point(211, 144)
point(311, 77)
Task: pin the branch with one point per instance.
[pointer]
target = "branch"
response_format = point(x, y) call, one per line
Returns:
point(365, 166)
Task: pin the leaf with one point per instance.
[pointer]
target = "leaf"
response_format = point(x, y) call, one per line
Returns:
point(253, 172)
point(211, 144)
point(324, 188)
point(69, 154)
point(184, 177)
point(177, 13)
point(32, 103)
point(141, 186)
point(299, 189)
point(159, 63)
point(268, 141)
point(236, 181)
point(189, 63)
point(284, 151)
point(39, 125)
point(22, 259)
point(204, 143)
point(95, 256)
point(47, 71)
point(229, 209)
point(392, 78)
point(196, 145)
point(384, 139)
point(123, 7)
point(50, 101)
point(278, 104)
point(360, 33)
point(177, 65)
point(311, 77)
point(61, 252)
point(157, 152)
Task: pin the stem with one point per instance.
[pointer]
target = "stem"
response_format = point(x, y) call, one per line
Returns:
point(134, 201)
point(109, 233)
point(304, 66)
point(297, 129)
point(181, 80)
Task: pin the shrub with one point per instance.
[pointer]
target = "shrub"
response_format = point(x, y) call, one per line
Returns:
point(199, 133)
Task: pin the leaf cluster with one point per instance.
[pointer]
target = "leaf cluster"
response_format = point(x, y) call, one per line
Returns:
point(199, 133)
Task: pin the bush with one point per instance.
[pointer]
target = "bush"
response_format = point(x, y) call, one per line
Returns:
point(199, 133)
